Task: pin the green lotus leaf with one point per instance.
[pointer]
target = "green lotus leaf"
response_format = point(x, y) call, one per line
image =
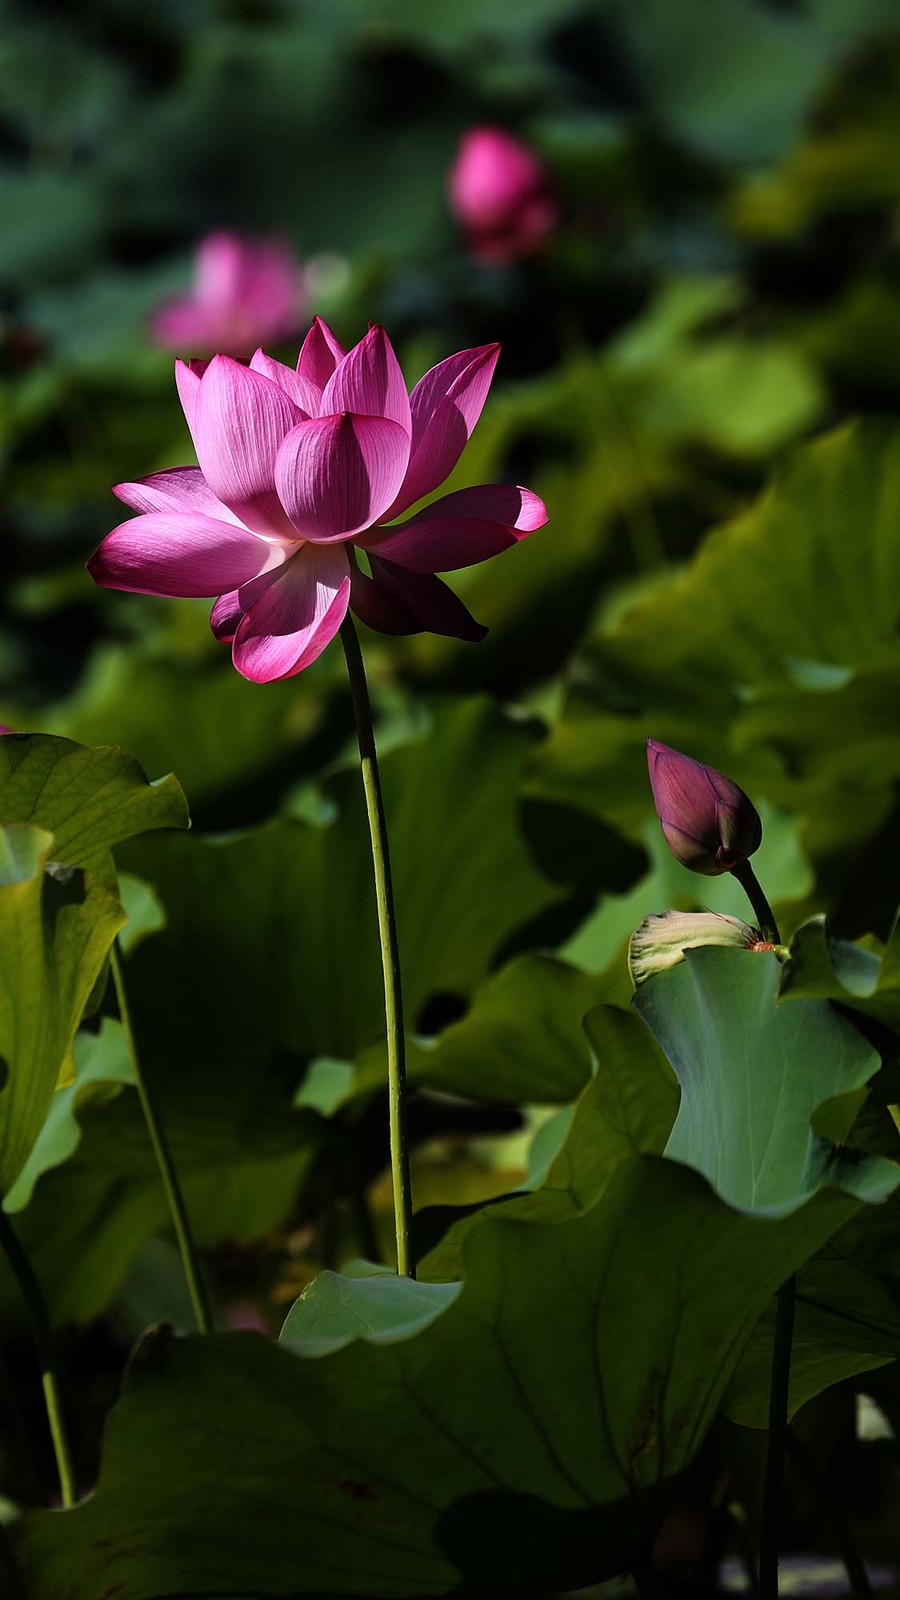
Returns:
point(56, 928)
point(458, 1455)
point(522, 1040)
point(271, 956)
point(824, 967)
point(89, 799)
point(372, 1304)
point(755, 1076)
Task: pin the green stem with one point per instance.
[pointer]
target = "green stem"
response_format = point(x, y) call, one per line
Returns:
point(390, 952)
point(43, 1334)
point(762, 911)
point(837, 1519)
point(778, 1428)
point(780, 1383)
point(189, 1258)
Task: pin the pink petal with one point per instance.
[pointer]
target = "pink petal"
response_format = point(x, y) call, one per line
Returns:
point(239, 423)
point(226, 614)
point(461, 529)
point(304, 394)
point(396, 601)
point(187, 382)
point(290, 619)
point(175, 489)
point(445, 406)
point(188, 555)
point(336, 475)
point(320, 354)
point(369, 382)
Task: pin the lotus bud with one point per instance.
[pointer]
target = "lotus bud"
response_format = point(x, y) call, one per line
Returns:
point(707, 821)
point(661, 941)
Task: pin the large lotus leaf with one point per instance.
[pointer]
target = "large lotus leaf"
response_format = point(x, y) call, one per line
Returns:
point(89, 799)
point(824, 967)
point(101, 1065)
point(391, 1471)
point(847, 1317)
point(756, 1078)
point(627, 1108)
point(522, 1040)
point(808, 574)
point(848, 1299)
point(90, 1196)
point(846, 1322)
point(89, 1218)
point(56, 929)
point(271, 952)
point(371, 1303)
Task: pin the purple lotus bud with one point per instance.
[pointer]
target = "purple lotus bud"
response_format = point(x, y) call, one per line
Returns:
point(707, 821)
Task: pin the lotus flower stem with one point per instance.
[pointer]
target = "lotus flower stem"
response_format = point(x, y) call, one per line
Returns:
point(779, 1388)
point(778, 1428)
point(390, 952)
point(190, 1259)
point(40, 1321)
point(762, 911)
point(780, 1383)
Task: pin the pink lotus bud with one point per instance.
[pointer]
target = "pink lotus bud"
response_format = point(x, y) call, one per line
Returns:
point(500, 192)
point(707, 821)
point(246, 293)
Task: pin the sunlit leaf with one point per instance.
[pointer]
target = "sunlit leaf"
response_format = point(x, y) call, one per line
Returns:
point(55, 931)
point(90, 799)
point(371, 1304)
point(755, 1076)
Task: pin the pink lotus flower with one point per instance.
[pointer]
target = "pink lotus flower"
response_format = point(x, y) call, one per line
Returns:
point(500, 191)
point(299, 470)
point(246, 292)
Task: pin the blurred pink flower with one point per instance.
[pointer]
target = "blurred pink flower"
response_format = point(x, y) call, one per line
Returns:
point(245, 1317)
point(296, 469)
point(246, 292)
point(500, 192)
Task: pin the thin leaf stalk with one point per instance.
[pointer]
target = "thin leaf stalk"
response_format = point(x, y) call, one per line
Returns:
point(190, 1259)
point(43, 1336)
